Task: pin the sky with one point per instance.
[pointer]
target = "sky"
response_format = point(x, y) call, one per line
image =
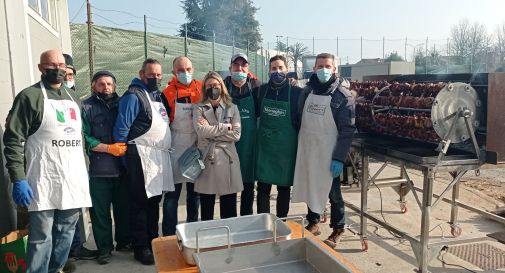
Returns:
point(325, 20)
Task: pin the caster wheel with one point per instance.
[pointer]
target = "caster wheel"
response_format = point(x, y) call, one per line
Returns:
point(456, 231)
point(364, 245)
point(404, 208)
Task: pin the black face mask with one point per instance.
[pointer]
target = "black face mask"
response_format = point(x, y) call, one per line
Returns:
point(153, 84)
point(54, 76)
point(213, 93)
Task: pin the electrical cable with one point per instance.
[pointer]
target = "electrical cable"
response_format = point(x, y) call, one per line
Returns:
point(440, 257)
point(79, 11)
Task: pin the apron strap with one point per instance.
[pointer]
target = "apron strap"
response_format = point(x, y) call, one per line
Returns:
point(43, 87)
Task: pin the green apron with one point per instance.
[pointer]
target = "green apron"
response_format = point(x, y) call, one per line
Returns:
point(277, 143)
point(245, 146)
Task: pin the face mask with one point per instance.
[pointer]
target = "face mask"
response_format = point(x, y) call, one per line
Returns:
point(69, 84)
point(324, 74)
point(153, 84)
point(239, 76)
point(277, 77)
point(55, 76)
point(185, 78)
point(213, 93)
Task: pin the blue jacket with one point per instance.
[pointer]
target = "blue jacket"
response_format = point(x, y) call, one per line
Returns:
point(134, 113)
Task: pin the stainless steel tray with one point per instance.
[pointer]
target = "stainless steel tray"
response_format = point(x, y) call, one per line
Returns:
point(237, 231)
point(293, 256)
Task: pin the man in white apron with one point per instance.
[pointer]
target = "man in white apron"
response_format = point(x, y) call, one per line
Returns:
point(143, 123)
point(327, 127)
point(182, 93)
point(45, 159)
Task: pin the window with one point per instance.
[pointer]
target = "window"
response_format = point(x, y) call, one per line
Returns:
point(46, 9)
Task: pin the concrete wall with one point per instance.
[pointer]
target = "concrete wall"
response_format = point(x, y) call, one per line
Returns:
point(359, 71)
point(23, 36)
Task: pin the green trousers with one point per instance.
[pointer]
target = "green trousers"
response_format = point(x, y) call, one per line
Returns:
point(107, 191)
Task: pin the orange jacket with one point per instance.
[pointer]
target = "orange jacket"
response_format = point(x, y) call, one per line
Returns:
point(193, 91)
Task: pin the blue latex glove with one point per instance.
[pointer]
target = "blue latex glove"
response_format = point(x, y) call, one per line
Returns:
point(336, 168)
point(22, 193)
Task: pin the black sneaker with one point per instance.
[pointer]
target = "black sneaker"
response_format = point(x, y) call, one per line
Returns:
point(124, 247)
point(144, 256)
point(83, 253)
point(104, 259)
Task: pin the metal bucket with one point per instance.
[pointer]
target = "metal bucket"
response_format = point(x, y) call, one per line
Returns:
point(237, 231)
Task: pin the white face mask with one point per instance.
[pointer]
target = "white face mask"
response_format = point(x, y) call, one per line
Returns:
point(69, 84)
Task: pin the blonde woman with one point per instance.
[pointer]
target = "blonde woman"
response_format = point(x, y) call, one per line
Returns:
point(217, 124)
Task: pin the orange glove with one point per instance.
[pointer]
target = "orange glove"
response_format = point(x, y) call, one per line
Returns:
point(117, 149)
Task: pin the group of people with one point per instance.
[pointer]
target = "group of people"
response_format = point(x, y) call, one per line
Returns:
point(251, 136)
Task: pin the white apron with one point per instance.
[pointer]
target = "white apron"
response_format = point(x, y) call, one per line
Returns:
point(183, 135)
point(316, 140)
point(154, 151)
point(55, 166)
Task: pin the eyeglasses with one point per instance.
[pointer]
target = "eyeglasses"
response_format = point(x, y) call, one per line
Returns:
point(240, 65)
point(54, 65)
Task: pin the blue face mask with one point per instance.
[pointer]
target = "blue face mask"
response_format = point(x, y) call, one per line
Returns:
point(239, 76)
point(277, 77)
point(324, 74)
point(185, 78)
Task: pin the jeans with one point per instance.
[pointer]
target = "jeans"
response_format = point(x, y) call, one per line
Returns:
point(171, 202)
point(337, 217)
point(76, 241)
point(283, 198)
point(50, 235)
point(227, 206)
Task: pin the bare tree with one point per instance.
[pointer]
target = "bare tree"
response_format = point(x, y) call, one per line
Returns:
point(500, 42)
point(470, 40)
point(296, 52)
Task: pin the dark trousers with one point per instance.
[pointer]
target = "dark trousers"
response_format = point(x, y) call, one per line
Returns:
point(337, 217)
point(107, 191)
point(283, 198)
point(247, 199)
point(227, 206)
point(170, 204)
point(144, 212)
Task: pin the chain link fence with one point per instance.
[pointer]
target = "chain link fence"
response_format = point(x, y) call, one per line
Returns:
point(123, 51)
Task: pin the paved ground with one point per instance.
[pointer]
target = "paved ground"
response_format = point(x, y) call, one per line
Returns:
point(386, 253)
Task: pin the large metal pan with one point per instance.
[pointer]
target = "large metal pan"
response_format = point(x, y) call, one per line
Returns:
point(237, 231)
point(293, 256)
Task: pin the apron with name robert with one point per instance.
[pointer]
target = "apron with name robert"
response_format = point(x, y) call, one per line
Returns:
point(317, 138)
point(246, 145)
point(154, 151)
point(55, 165)
point(277, 143)
point(183, 135)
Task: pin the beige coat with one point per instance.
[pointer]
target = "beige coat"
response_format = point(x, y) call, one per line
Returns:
point(217, 141)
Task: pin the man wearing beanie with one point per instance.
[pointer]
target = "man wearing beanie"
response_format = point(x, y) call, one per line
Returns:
point(105, 169)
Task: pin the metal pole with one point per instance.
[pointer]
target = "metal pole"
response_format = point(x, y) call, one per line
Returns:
point(361, 48)
point(405, 48)
point(256, 63)
point(426, 58)
point(90, 41)
point(213, 51)
point(186, 39)
point(383, 48)
point(233, 46)
point(337, 46)
point(247, 49)
point(447, 53)
point(145, 36)
point(262, 65)
point(287, 46)
point(313, 46)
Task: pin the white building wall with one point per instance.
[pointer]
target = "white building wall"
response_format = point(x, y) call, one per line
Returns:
point(24, 34)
